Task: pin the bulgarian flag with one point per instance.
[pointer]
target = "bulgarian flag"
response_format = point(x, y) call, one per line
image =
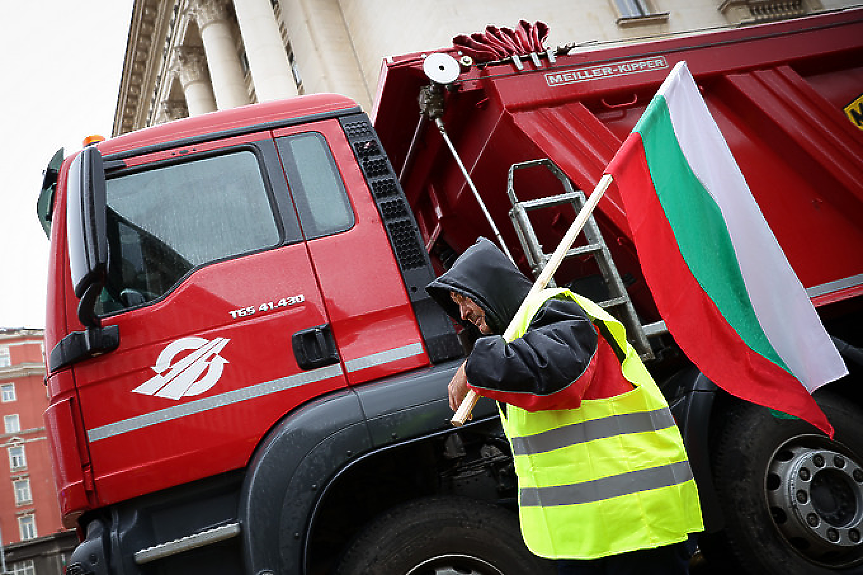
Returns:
point(719, 278)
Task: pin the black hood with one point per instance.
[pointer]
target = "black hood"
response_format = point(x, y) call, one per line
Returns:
point(485, 275)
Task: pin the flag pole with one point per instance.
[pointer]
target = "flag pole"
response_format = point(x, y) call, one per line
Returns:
point(467, 405)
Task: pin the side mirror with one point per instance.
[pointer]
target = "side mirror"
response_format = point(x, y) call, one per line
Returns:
point(86, 214)
point(45, 202)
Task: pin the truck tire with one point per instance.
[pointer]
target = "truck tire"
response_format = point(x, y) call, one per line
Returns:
point(792, 498)
point(446, 535)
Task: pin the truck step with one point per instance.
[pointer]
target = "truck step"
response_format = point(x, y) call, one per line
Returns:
point(194, 541)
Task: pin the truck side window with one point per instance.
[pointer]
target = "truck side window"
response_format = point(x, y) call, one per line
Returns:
point(164, 222)
point(319, 194)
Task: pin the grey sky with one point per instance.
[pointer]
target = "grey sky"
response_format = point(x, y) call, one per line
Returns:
point(61, 64)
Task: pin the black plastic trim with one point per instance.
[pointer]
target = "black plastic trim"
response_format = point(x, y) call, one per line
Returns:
point(850, 353)
point(692, 411)
point(90, 556)
point(115, 533)
point(315, 347)
point(403, 232)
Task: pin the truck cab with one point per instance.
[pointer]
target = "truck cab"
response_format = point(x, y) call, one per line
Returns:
point(213, 281)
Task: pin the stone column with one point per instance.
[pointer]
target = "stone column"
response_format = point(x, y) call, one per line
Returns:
point(268, 61)
point(324, 48)
point(190, 63)
point(226, 71)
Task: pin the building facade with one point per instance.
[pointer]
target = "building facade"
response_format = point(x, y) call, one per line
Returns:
point(45, 555)
point(29, 512)
point(188, 57)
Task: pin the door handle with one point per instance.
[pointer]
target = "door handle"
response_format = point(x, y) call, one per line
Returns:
point(315, 347)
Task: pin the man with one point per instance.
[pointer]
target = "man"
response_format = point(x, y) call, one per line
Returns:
point(604, 483)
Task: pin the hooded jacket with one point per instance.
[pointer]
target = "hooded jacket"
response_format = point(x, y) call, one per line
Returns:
point(558, 361)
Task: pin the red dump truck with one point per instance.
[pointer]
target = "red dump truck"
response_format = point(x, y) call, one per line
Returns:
point(247, 376)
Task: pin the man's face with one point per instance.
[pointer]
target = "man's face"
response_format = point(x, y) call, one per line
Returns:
point(470, 311)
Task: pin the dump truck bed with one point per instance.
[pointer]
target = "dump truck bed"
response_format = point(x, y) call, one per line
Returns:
point(786, 96)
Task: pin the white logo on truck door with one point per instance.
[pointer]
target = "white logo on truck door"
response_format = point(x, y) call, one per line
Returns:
point(193, 374)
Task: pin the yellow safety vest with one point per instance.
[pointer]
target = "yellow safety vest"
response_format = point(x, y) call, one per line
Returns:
point(608, 477)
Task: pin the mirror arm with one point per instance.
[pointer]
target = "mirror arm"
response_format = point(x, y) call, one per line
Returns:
point(87, 306)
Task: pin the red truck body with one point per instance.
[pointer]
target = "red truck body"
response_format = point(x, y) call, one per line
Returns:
point(249, 377)
point(778, 96)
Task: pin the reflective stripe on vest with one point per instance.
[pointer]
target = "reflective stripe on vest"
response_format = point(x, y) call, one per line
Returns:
point(607, 487)
point(585, 431)
point(619, 457)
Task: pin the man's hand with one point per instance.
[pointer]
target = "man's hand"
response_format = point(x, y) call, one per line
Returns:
point(457, 388)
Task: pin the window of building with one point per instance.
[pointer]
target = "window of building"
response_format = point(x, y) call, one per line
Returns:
point(636, 12)
point(295, 71)
point(22, 491)
point(7, 392)
point(17, 459)
point(244, 62)
point(27, 527)
point(11, 423)
point(23, 568)
point(5, 358)
point(158, 232)
point(632, 8)
point(318, 191)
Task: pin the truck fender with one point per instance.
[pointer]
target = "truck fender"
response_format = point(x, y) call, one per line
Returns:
point(309, 446)
point(852, 355)
point(692, 409)
point(280, 484)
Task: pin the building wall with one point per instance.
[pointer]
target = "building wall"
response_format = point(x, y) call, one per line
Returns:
point(25, 372)
point(46, 555)
point(414, 27)
point(187, 57)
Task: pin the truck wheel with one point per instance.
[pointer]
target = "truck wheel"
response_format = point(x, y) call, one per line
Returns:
point(792, 498)
point(442, 536)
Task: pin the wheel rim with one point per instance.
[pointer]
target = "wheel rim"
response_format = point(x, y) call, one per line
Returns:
point(454, 564)
point(815, 493)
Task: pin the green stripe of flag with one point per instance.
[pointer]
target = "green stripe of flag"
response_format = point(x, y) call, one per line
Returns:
point(699, 228)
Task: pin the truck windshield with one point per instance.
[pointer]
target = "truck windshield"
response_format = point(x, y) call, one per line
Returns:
point(164, 222)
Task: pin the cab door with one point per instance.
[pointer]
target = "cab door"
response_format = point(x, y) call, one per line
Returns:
point(370, 312)
point(219, 314)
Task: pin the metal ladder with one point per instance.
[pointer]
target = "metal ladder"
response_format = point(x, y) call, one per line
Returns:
point(619, 303)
